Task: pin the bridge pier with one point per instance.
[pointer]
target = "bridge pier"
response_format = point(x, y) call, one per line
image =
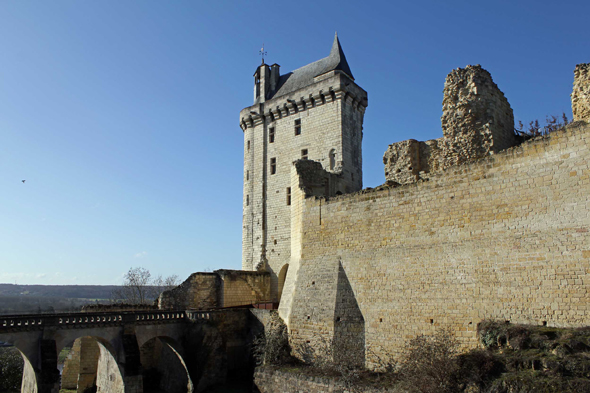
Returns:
point(45, 378)
point(132, 377)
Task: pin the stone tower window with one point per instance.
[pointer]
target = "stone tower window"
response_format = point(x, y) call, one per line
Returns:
point(332, 156)
point(247, 175)
point(288, 196)
point(273, 166)
point(271, 135)
point(304, 154)
point(248, 143)
point(247, 200)
point(298, 127)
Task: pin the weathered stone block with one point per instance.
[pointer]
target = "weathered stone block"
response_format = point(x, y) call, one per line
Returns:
point(402, 161)
point(405, 160)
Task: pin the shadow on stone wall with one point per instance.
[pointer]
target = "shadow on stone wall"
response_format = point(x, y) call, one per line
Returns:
point(349, 324)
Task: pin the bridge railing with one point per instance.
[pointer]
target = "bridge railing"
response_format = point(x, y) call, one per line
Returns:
point(74, 320)
point(85, 319)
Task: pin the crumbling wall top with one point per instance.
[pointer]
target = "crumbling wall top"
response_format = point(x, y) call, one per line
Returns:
point(581, 93)
point(477, 121)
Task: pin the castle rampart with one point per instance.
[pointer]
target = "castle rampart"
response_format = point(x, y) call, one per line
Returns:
point(505, 237)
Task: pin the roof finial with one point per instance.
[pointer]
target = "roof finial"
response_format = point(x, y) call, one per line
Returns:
point(262, 53)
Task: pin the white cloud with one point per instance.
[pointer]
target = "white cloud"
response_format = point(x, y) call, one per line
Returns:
point(41, 275)
point(140, 254)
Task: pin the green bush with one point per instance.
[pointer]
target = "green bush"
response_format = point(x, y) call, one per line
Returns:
point(11, 369)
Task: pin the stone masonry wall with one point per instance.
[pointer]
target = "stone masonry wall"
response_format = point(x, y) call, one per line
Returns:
point(198, 292)
point(244, 288)
point(221, 288)
point(506, 237)
point(477, 121)
point(581, 93)
point(307, 178)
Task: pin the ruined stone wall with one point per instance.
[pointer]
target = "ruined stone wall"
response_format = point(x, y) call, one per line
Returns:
point(198, 292)
point(477, 121)
point(404, 161)
point(506, 237)
point(244, 288)
point(581, 93)
point(221, 288)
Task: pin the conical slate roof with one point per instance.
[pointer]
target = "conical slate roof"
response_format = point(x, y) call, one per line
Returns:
point(303, 76)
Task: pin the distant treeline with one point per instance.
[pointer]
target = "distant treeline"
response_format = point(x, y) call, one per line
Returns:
point(67, 291)
point(38, 304)
point(33, 299)
point(30, 299)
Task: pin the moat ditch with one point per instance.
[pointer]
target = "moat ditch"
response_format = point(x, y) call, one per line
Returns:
point(510, 359)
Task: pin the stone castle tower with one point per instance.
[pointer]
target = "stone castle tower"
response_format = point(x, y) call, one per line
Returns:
point(313, 113)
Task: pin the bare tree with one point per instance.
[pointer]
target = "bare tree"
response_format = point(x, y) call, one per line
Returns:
point(140, 288)
point(161, 284)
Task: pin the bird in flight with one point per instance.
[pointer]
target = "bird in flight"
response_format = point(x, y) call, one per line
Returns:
point(24, 181)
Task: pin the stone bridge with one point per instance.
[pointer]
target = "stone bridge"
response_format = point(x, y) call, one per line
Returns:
point(139, 351)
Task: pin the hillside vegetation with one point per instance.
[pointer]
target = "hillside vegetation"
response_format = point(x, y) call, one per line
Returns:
point(27, 299)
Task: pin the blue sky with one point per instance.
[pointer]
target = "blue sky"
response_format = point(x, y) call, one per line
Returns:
point(122, 116)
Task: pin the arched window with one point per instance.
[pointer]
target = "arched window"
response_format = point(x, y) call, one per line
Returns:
point(332, 156)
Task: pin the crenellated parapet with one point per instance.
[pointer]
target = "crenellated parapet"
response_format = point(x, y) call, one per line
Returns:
point(336, 87)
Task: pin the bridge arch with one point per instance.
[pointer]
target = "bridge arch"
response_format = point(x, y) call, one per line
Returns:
point(92, 362)
point(28, 382)
point(164, 368)
point(27, 344)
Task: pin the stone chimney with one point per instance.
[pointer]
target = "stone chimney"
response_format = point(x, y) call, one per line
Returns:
point(275, 74)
